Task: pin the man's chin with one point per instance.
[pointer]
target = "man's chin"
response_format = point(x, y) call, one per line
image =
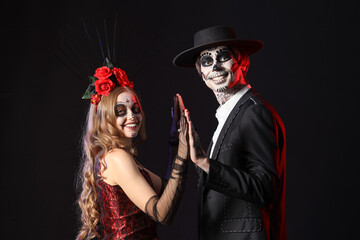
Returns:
point(224, 85)
point(221, 89)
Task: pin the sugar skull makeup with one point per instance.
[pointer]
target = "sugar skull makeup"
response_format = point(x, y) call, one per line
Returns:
point(215, 68)
point(128, 114)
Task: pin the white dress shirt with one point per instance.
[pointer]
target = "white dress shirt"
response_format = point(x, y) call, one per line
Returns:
point(223, 112)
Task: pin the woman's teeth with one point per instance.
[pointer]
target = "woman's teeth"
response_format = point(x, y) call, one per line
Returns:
point(131, 126)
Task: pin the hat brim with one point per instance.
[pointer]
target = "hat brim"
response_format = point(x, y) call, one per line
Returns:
point(188, 57)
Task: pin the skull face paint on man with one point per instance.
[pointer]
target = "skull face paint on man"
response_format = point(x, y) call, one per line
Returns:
point(216, 68)
point(128, 114)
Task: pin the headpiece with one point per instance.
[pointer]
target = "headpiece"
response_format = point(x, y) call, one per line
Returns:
point(211, 37)
point(105, 79)
point(105, 38)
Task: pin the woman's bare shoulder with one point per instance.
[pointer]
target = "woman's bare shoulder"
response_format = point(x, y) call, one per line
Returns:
point(119, 160)
point(117, 153)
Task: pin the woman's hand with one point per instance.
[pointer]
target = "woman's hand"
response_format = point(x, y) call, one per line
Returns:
point(183, 150)
point(175, 114)
point(197, 154)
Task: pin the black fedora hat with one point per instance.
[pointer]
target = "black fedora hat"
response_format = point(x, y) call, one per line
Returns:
point(211, 37)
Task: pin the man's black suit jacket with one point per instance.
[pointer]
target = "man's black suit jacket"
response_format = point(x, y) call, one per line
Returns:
point(243, 195)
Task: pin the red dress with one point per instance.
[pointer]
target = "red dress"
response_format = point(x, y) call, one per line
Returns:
point(120, 217)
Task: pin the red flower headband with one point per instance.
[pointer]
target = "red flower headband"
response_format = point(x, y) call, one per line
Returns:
point(105, 79)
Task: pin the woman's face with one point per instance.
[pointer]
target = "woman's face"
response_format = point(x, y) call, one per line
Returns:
point(128, 114)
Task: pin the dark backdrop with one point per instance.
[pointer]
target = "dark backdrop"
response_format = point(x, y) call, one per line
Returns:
point(308, 70)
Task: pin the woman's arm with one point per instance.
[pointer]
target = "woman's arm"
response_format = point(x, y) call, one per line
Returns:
point(122, 170)
point(158, 182)
point(163, 208)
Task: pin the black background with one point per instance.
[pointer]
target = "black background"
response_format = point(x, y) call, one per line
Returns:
point(308, 70)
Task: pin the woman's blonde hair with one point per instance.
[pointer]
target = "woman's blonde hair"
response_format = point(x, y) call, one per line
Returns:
point(100, 136)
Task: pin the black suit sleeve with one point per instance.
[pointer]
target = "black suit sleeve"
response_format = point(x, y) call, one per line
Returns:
point(256, 148)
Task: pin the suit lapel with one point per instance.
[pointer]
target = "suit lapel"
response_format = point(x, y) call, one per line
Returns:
point(209, 149)
point(229, 121)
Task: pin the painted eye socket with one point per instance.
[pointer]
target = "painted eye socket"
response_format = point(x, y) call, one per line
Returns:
point(223, 56)
point(135, 109)
point(120, 110)
point(206, 61)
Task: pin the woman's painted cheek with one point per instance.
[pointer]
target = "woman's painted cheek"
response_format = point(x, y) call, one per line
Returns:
point(121, 121)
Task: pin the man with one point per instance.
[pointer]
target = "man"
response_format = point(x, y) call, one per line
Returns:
point(242, 177)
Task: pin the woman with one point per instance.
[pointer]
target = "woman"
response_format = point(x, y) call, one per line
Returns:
point(121, 199)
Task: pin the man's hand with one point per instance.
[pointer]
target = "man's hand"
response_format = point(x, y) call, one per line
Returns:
point(197, 154)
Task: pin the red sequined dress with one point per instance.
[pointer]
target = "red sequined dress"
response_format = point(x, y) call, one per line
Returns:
point(120, 217)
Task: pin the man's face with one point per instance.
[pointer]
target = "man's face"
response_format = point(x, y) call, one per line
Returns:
point(215, 68)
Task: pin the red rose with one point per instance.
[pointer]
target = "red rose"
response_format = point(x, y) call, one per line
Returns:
point(130, 84)
point(121, 76)
point(103, 72)
point(95, 98)
point(104, 86)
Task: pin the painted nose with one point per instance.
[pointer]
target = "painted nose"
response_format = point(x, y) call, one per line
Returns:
point(131, 116)
point(216, 67)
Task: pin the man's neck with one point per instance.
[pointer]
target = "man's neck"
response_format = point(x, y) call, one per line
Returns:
point(223, 97)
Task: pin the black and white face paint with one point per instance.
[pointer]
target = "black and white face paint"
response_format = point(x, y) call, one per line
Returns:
point(128, 115)
point(215, 67)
